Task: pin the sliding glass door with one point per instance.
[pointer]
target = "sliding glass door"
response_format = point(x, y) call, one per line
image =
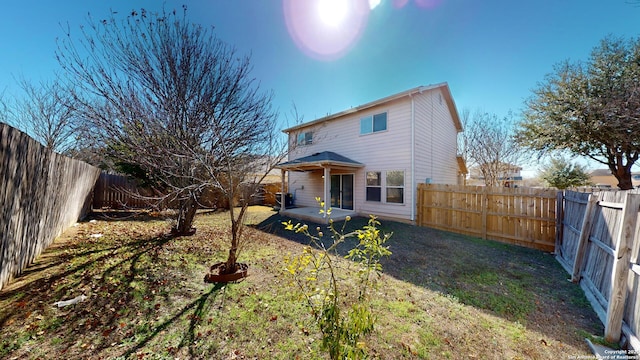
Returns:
point(342, 191)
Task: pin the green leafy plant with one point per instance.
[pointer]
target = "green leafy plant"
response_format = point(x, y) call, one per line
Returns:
point(342, 321)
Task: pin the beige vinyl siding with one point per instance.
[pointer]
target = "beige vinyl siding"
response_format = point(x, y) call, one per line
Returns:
point(435, 151)
point(380, 151)
point(436, 140)
point(313, 186)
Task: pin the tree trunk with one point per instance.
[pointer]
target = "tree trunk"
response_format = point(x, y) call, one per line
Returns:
point(236, 234)
point(186, 214)
point(233, 250)
point(624, 178)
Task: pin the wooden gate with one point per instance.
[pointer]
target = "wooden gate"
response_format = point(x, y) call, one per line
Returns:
point(601, 254)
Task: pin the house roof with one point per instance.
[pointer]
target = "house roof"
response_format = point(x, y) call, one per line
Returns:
point(601, 172)
point(606, 172)
point(462, 165)
point(420, 89)
point(319, 160)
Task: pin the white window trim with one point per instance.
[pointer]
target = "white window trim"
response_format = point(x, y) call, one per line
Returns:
point(383, 188)
point(371, 116)
point(403, 187)
point(382, 198)
point(304, 138)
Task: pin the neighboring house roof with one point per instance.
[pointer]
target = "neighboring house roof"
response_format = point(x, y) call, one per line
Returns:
point(445, 90)
point(604, 177)
point(601, 172)
point(319, 160)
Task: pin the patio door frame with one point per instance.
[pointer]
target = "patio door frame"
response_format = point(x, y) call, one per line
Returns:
point(342, 192)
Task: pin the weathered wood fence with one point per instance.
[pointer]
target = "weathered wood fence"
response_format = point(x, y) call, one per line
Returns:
point(118, 192)
point(597, 239)
point(598, 244)
point(521, 216)
point(114, 191)
point(41, 194)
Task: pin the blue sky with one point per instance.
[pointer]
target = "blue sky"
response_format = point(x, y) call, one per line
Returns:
point(490, 52)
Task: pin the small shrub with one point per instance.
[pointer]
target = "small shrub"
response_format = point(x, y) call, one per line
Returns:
point(342, 323)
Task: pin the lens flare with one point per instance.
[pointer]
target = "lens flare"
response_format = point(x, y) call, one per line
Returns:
point(333, 12)
point(326, 29)
point(428, 4)
point(425, 4)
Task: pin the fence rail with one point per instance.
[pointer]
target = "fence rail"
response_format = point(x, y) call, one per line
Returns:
point(598, 244)
point(595, 236)
point(114, 191)
point(521, 216)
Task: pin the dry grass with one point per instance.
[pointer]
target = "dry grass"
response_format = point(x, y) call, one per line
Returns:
point(442, 296)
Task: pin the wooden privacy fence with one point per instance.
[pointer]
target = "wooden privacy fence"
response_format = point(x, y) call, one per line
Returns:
point(41, 194)
point(598, 244)
point(119, 192)
point(521, 216)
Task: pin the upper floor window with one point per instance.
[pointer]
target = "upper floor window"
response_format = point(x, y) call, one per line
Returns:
point(305, 138)
point(374, 123)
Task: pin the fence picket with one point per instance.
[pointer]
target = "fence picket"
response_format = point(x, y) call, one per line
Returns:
point(619, 275)
point(519, 216)
point(584, 237)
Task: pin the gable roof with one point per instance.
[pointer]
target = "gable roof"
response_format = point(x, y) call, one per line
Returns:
point(318, 160)
point(417, 90)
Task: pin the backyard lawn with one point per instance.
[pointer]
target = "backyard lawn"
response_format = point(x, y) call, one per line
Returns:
point(441, 296)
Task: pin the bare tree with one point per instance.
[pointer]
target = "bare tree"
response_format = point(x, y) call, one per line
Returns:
point(488, 146)
point(177, 106)
point(4, 110)
point(45, 112)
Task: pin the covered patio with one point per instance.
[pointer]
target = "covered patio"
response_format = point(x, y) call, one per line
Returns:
point(325, 161)
point(312, 214)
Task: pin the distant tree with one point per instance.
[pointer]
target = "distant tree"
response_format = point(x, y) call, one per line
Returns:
point(173, 103)
point(4, 110)
point(590, 109)
point(561, 173)
point(44, 110)
point(488, 145)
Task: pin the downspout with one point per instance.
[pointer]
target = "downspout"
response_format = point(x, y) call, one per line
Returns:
point(413, 159)
point(282, 194)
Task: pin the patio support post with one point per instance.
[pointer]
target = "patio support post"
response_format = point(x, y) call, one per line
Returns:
point(327, 188)
point(282, 194)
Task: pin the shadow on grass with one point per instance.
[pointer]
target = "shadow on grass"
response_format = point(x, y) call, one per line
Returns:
point(200, 309)
point(516, 283)
point(125, 285)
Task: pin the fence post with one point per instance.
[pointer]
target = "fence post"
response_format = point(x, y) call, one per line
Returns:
point(419, 210)
point(618, 290)
point(484, 208)
point(559, 217)
point(585, 232)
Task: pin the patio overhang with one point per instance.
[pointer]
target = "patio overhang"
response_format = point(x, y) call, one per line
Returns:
point(320, 160)
point(325, 161)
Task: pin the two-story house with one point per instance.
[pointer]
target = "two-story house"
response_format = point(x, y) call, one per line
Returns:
point(371, 158)
point(507, 175)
